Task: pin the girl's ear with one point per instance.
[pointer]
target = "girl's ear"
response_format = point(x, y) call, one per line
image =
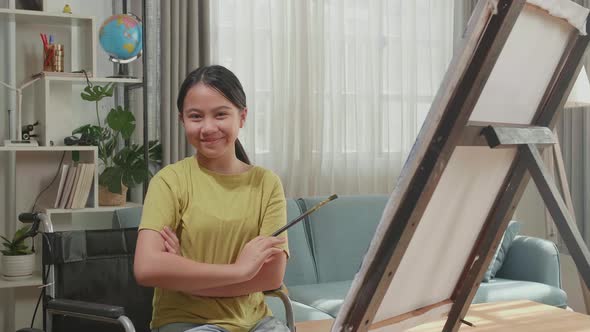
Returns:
point(243, 115)
point(180, 117)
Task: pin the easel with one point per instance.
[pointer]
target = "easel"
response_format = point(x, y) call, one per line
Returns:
point(447, 127)
point(554, 161)
point(560, 210)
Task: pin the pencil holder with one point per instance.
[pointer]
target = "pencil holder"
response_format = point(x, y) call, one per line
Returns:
point(53, 58)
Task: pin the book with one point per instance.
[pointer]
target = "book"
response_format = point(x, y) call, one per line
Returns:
point(67, 189)
point(74, 186)
point(86, 177)
point(62, 181)
point(86, 185)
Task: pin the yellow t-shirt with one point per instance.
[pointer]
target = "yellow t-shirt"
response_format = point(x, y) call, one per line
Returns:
point(215, 215)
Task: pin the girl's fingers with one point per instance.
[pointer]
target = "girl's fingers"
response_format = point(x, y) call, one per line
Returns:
point(271, 242)
point(171, 239)
point(164, 235)
point(171, 235)
point(268, 253)
point(169, 248)
point(272, 257)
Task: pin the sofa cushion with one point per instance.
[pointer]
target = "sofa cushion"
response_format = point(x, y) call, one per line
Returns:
point(341, 233)
point(499, 289)
point(326, 297)
point(301, 312)
point(300, 266)
point(532, 259)
point(500, 254)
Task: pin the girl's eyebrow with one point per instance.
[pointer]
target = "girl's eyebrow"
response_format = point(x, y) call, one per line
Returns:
point(219, 108)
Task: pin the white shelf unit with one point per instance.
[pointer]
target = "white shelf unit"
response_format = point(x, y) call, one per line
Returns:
point(46, 148)
point(83, 219)
point(35, 280)
point(77, 34)
point(56, 103)
point(36, 167)
point(91, 209)
point(49, 101)
point(24, 16)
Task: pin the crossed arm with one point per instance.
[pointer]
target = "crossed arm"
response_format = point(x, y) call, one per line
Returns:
point(259, 267)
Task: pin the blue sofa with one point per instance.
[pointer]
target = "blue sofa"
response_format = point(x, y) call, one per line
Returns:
point(328, 247)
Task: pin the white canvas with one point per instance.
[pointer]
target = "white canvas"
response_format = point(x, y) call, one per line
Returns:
point(524, 68)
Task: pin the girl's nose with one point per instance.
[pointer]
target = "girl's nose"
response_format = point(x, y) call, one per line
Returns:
point(209, 126)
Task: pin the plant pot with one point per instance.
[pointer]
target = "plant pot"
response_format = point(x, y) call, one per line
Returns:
point(107, 198)
point(17, 267)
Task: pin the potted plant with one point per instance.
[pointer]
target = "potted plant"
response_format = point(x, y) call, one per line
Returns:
point(18, 259)
point(124, 164)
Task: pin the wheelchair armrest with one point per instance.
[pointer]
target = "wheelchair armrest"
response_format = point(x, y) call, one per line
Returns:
point(282, 294)
point(275, 292)
point(86, 308)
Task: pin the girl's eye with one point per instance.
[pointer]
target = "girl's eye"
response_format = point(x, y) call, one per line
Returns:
point(194, 116)
point(221, 115)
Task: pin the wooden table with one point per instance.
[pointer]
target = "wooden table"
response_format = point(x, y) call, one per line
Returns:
point(522, 316)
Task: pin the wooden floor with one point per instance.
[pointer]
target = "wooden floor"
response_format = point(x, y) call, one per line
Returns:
point(522, 316)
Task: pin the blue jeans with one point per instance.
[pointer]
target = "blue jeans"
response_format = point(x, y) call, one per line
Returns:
point(267, 324)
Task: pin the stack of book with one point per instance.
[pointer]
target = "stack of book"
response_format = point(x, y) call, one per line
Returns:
point(75, 183)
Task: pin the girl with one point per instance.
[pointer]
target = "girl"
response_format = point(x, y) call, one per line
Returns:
point(222, 210)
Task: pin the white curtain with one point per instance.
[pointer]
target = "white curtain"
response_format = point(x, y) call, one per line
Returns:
point(574, 135)
point(337, 90)
point(575, 139)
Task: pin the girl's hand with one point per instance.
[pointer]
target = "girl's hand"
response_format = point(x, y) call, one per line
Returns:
point(257, 252)
point(171, 242)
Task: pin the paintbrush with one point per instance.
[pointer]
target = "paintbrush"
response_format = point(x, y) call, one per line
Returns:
point(307, 213)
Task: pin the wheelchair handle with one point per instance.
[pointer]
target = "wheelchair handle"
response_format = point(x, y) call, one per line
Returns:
point(35, 219)
point(29, 218)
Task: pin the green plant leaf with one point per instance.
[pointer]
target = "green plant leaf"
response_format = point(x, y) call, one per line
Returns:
point(89, 95)
point(109, 147)
point(92, 132)
point(20, 233)
point(17, 245)
point(81, 130)
point(108, 89)
point(97, 92)
point(121, 120)
point(136, 174)
point(112, 178)
point(155, 151)
point(127, 156)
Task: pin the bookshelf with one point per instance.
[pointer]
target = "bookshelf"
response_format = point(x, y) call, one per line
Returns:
point(35, 280)
point(46, 148)
point(50, 99)
point(53, 100)
point(91, 209)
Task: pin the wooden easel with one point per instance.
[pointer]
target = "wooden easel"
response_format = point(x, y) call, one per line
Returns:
point(554, 161)
point(560, 209)
point(448, 126)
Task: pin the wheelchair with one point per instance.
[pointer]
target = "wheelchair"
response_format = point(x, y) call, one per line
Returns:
point(90, 284)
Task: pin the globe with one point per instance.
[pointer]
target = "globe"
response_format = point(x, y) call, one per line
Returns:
point(121, 37)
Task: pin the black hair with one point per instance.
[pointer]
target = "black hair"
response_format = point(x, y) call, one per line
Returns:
point(222, 80)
